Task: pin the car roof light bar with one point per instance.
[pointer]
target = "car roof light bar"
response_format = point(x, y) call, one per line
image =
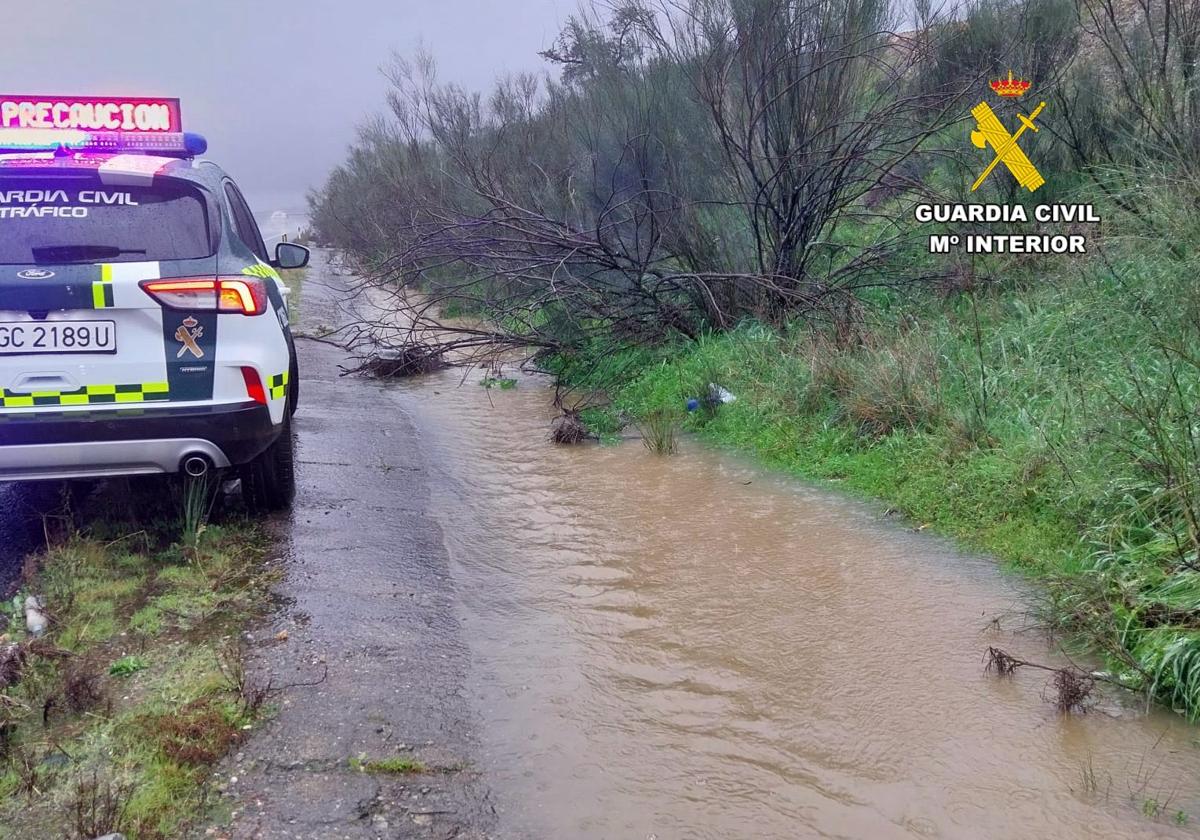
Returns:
point(65, 140)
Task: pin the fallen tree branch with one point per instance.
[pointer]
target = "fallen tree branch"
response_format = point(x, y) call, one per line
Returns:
point(1072, 687)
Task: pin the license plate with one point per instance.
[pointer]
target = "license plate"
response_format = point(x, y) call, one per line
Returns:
point(23, 338)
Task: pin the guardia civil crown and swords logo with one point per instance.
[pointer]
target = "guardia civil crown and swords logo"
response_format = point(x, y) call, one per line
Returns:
point(991, 132)
point(975, 237)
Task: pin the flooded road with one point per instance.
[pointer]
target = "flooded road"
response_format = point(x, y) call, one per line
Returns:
point(691, 647)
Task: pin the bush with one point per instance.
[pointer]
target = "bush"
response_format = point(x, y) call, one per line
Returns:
point(879, 388)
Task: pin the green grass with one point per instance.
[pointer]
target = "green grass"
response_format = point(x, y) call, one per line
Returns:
point(293, 278)
point(132, 695)
point(1049, 421)
point(127, 666)
point(396, 765)
point(987, 498)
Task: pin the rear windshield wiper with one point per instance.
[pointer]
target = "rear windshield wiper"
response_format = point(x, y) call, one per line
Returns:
point(57, 254)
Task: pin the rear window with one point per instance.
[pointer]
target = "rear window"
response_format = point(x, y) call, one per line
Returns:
point(63, 220)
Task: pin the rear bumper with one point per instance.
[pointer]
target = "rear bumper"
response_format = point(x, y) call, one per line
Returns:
point(133, 441)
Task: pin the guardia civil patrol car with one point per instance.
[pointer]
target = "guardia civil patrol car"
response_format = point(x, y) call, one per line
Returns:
point(143, 326)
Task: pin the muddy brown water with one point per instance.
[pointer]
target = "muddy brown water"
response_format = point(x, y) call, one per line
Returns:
point(691, 647)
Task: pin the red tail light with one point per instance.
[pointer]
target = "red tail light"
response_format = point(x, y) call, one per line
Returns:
point(245, 295)
point(254, 386)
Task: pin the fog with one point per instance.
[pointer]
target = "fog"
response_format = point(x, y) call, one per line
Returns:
point(277, 88)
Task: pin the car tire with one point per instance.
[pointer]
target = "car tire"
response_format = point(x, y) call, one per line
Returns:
point(293, 384)
point(269, 481)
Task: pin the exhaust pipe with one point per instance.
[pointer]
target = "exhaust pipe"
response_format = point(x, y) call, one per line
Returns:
point(196, 466)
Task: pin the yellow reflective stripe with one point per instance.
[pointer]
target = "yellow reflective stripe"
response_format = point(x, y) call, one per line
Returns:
point(99, 287)
point(89, 395)
point(262, 270)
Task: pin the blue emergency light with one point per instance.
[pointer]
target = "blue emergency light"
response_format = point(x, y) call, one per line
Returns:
point(168, 144)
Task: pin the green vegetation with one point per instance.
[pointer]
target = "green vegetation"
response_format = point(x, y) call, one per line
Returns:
point(725, 192)
point(293, 278)
point(1048, 424)
point(396, 765)
point(127, 666)
point(658, 428)
point(113, 719)
point(504, 383)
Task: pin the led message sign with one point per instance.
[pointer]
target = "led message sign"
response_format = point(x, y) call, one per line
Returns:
point(84, 113)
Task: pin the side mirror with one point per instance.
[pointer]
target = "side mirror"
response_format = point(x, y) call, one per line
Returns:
point(290, 255)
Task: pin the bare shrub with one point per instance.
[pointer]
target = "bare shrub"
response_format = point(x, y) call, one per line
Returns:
point(1142, 65)
point(1072, 691)
point(252, 693)
point(1069, 688)
point(1001, 663)
point(196, 735)
point(97, 807)
point(688, 171)
point(12, 663)
point(83, 688)
point(231, 663)
point(568, 429)
point(409, 360)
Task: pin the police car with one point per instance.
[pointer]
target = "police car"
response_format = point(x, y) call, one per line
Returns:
point(143, 325)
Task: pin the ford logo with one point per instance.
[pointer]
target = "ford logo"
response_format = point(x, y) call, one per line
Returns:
point(35, 274)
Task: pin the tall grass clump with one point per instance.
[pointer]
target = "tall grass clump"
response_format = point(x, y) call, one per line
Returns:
point(198, 495)
point(879, 387)
point(659, 430)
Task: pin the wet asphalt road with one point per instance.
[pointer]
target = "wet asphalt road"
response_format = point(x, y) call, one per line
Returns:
point(367, 594)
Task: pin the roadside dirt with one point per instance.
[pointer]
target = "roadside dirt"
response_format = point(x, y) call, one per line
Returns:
point(373, 663)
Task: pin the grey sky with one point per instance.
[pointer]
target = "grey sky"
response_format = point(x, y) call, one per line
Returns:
point(277, 87)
